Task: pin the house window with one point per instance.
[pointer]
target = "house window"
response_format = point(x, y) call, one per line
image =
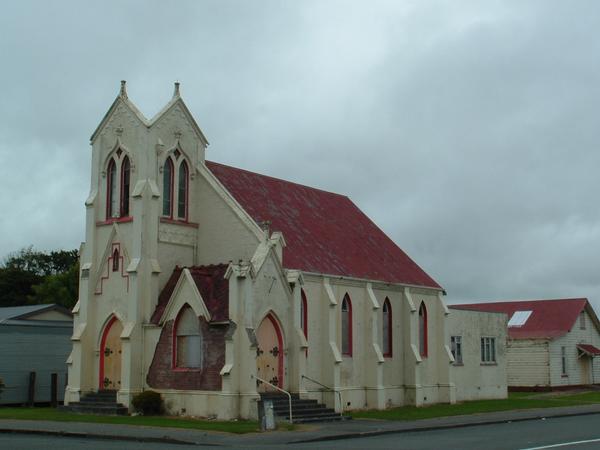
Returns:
point(303, 313)
point(115, 260)
point(488, 350)
point(182, 194)
point(423, 330)
point(111, 191)
point(346, 326)
point(456, 349)
point(188, 340)
point(387, 328)
point(125, 177)
point(563, 359)
point(582, 320)
point(168, 188)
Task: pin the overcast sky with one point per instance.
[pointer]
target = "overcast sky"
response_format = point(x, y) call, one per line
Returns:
point(469, 132)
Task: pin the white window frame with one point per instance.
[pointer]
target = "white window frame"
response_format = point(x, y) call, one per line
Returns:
point(488, 350)
point(456, 349)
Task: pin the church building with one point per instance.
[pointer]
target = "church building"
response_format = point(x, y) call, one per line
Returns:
point(211, 284)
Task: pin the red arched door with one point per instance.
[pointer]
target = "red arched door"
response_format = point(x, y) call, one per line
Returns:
point(110, 356)
point(269, 354)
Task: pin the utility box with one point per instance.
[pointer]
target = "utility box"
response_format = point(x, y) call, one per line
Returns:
point(266, 415)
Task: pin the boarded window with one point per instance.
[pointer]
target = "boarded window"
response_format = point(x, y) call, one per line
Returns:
point(189, 345)
point(456, 349)
point(347, 326)
point(387, 328)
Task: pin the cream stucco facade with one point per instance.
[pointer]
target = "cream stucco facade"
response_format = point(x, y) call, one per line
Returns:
point(127, 266)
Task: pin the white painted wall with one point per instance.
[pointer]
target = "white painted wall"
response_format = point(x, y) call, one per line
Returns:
point(473, 379)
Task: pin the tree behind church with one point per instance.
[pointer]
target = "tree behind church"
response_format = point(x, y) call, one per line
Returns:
point(34, 277)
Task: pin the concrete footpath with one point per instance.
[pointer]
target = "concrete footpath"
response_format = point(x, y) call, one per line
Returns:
point(350, 429)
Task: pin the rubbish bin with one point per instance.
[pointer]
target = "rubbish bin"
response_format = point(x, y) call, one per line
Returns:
point(266, 415)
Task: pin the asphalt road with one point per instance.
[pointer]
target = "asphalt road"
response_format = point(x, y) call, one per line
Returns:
point(578, 433)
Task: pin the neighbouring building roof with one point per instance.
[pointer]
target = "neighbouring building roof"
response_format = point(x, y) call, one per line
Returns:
point(29, 312)
point(547, 318)
point(325, 233)
point(212, 285)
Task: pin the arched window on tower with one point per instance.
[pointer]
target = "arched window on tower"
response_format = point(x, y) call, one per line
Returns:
point(112, 200)
point(182, 194)
point(125, 180)
point(346, 326)
point(188, 346)
point(423, 329)
point(387, 327)
point(115, 260)
point(168, 188)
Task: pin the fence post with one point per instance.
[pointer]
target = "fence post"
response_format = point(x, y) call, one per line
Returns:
point(31, 390)
point(54, 390)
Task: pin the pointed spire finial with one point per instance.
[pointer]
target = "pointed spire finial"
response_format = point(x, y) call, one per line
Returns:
point(123, 92)
point(176, 91)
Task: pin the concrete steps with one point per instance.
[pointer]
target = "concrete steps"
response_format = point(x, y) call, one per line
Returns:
point(303, 410)
point(101, 402)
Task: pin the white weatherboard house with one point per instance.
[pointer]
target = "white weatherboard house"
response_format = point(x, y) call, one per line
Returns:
point(551, 343)
point(210, 284)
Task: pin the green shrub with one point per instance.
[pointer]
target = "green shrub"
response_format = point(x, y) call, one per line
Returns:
point(148, 403)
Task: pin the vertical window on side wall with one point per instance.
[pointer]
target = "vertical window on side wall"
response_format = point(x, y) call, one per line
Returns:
point(563, 359)
point(188, 343)
point(488, 350)
point(125, 181)
point(304, 313)
point(387, 328)
point(582, 320)
point(168, 188)
point(182, 194)
point(456, 349)
point(111, 191)
point(423, 344)
point(346, 326)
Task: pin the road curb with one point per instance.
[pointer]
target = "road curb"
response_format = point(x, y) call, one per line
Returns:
point(109, 437)
point(366, 434)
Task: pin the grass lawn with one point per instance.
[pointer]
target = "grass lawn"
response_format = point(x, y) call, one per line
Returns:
point(23, 413)
point(515, 400)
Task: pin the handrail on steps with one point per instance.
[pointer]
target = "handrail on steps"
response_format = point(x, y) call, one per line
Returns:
point(279, 389)
point(329, 388)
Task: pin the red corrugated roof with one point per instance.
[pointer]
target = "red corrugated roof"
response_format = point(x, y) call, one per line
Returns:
point(325, 232)
point(212, 285)
point(548, 319)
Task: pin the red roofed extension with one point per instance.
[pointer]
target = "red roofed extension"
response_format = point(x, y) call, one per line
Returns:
point(325, 233)
point(548, 319)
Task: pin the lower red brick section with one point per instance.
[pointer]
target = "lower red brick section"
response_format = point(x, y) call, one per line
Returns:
point(163, 376)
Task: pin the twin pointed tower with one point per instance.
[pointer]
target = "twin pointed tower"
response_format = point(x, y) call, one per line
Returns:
point(211, 284)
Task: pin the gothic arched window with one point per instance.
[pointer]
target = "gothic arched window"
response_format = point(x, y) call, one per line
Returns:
point(188, 346)
point(125, 180)
point(115, 260)
point(168, 188)
point(111, 190)
point(182, 192)
point(423, 330)
point(346, 326)
point(303, 313)
point(387, 327)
